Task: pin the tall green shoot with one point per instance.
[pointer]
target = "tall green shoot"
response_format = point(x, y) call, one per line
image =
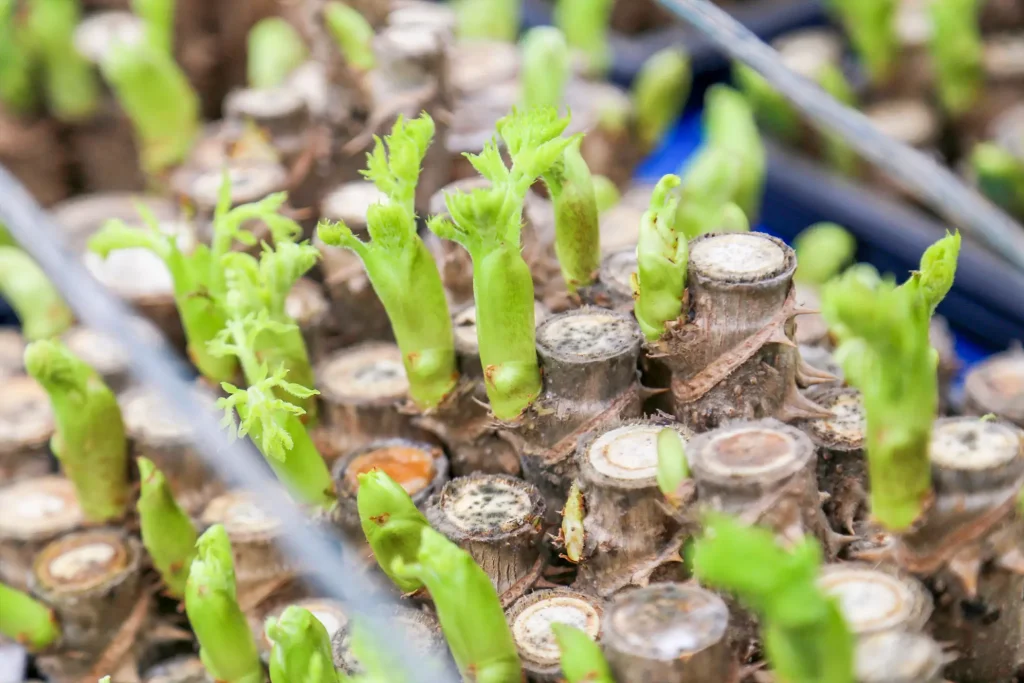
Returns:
point(659, 94)
point(27, 621)
point(957, 53)
point(1000, 177)
point(158, 18)
point(545, 69)
point(18, 62)
point(585, 26)
point(823, 250)
point(710, 190)
point(40, 308)
point(352, 33)
point(581, 658)
point(391, 523)
point(729, 125)
point(301, 651)
point(274, 50)
point(167, 532)
point(885, 352)
point(662, 254)
point(577, 229)
point(488, 19)
point(488, 224)
point(805, 637)
point(72, 90)
point(871, 25)
point(400, 267)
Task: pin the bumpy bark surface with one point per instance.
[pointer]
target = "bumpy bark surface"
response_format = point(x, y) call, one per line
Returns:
point(26, 425)
point(156, 434)
point(970, 546)
point(668, 632)
point(420, 468)
point(588, 357)
point(530, 619)
point(733, 356)
point(35, 511)
point(764, 472)
point(629, 531)
point(497, 519)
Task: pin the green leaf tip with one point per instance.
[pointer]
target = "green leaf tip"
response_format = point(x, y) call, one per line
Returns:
point(69, 82)
point(871, 25)
point(934, 277)
point(605, 192)
point(167, 532)
point(957, 53)
point(158, 17)
point(275, 49)
point(585, 24)
point(805, 637)
point(157, 97)
point(822, 251)
point(710, 189)
point(546, 68)
point(468, 608)
point(1000, 177)
point(673, 467)
point(39, 306)
point(659, 94)
point(581, 658)
point(662, 254)
point(729, 124)
point(391, 523)
point(301, 651)
point(395, 163)
point(227, 646)
point(352, 33)
point(27, 621)
point(487, 19)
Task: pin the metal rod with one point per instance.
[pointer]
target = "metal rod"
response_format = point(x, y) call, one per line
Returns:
point(331, 566)
point(935, 184)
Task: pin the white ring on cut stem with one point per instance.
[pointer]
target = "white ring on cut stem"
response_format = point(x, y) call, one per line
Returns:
point(68, 565)
point(781, 461)
point(869, 600)
point(38, 505)
point(590, 336)
point(476, 503)
point(533, 625)
point(699, 622)
point(629, 452)
point(737, 255)
point(973, 445)
point(371, 372)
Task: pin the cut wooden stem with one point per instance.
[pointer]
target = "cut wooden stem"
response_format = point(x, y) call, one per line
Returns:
point(668, 632)
point(357, 313)
point(496, 519)
point(308, 306)
point(26, 425)
point(531, 617)
point(970, 545)
point(419, 468)
point(734, 358)
point(899, 657)
point(330, 613)
point(362, 388)
point(35, 511)
point(763, 472)
point(873, 600)
point(613, 288)
point(842, 467)
point(421, 628)
point(588, 357)
point(156, 434)
point(280, 112)
point(997, 386)
point(253, 536)
point(627, 524)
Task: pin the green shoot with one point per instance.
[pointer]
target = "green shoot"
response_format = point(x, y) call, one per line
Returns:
point(606, 193)
point(673, 468)
point(729, 124)
point(871, 25)
point(467, 607)
point(391, 523)
point(18, 59)
point(400, 267)
point(773, 111)
point(822, 251)
point(885, 352)
point(487, 19)
point(585, 26)
point(1000, 177)
point(838, 153)
point(40, 308)
point(805, 637)
point(157, 97)
point(227, 647)
point(662, 255)
point(27, 621)
point(572, 531)
point(352, 34)
point(273, 423)
point(158, 17)
point(545, 67)
point(301, 651)
point(710, 190)
point(275, 48)
point(167, 532)
point(6, 238)
point(577, 230)
point(581, 658)
point(71, 87)
point(659, 94)
point(488, 223)
point(89, 440)
point(376, 666)
point(957, 53)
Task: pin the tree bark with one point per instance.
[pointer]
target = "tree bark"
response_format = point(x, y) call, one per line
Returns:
point(531, 617)
point(158, 435)
point(36, 511)
point(733, 357)
point(588, 357)
point(420, 468)
point(970, 546)
point(643, 641)
point(628, 527)
point(26, 425)
point(496, 519)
